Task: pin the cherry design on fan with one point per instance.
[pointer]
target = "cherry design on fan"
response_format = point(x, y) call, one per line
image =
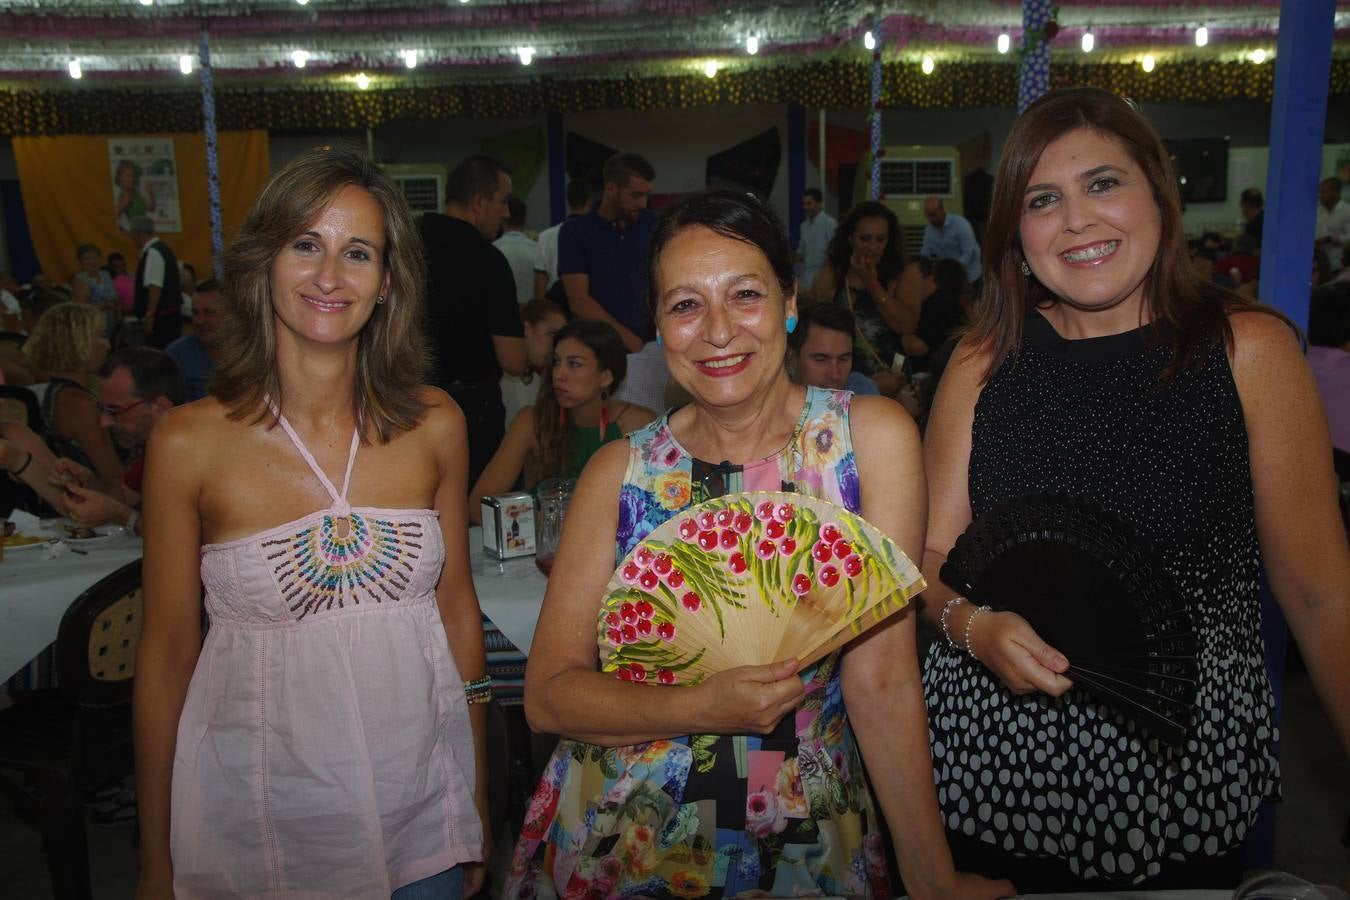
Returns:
point(341, 559)
point(744, 579)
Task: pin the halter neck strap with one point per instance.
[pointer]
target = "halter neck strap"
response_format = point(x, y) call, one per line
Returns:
point(340, 504)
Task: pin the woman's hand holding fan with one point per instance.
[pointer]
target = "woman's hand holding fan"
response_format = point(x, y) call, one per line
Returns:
point(1008, 645)
point(747, 580)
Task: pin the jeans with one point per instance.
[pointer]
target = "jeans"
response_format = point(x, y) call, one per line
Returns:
point(448, 885)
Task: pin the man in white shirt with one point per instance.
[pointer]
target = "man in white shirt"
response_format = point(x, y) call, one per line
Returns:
point(817, 231)
point(546, 258)
point(1333, 222)
point(519, 250)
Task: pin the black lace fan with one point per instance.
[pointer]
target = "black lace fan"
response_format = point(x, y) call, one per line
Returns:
point(1094, 589)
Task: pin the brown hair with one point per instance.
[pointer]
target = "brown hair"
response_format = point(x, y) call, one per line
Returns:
point(391, 356)
point(1196, 310)
point(63, 336)
point(550, 435)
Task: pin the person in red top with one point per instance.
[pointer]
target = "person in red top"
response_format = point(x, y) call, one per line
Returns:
point(135, 387)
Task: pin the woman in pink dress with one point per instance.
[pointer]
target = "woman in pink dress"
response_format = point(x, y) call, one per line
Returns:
point(324, 739)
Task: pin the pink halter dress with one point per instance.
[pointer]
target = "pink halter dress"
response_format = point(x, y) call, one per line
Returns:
point(324, 748)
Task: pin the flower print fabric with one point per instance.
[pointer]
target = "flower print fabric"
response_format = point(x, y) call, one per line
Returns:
point(784, 814)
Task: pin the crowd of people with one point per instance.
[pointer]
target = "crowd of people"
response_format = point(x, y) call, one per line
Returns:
point(311, 456)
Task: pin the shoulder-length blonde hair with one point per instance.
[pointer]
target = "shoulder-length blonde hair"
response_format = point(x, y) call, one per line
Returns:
point(1196, 310)
point(63, 336)
point(391, 355)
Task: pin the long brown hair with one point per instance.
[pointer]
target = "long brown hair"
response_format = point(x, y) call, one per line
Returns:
point(550, 434)
point(1196, 310)
point(391, 355)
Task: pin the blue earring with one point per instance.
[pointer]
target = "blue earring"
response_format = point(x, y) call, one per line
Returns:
point(791, 324)
point(658, 341)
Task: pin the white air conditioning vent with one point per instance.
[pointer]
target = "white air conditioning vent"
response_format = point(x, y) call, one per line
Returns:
point(917, 177)
point(422, 185)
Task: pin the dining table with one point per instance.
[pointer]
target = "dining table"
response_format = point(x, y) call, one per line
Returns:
point(40, 581)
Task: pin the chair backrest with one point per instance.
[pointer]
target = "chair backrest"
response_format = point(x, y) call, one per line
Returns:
point(11, 341)
point(97, 642)
point(19, 404)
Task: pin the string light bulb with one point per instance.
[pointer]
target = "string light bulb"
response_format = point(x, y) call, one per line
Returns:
point(300, 58)
point(75, 71)
point(927, 64)
point(185, 64)
point(410, 58)
point(710, 69)
point(752, 44)
point(1004, 42)
point(526, 55)
point(1089, 41)
point(1148, 62)
point(870, 41)
point(1258, 56)
point(147, 2)
point(362, 80)
point(1201, 36)
point(302, 2)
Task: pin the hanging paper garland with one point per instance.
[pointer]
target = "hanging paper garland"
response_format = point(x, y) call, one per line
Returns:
point(1039, 28)
point(212, 154)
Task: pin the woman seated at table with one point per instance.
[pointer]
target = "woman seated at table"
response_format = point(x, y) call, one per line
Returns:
point(66, 347)
point(695, 825)
point(93, 284)
point(572, 417)
point(319, 742)
point(1100, 366)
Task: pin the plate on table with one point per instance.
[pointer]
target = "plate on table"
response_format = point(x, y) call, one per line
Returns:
point(21, 541)
point(74, 533)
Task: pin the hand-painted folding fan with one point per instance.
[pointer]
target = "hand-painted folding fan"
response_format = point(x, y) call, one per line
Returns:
point(1095, 590)
point(748, 579)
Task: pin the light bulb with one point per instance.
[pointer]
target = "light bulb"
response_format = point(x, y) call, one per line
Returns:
point(869, 41)
point(300, 58)
point(146, 2)
point(302, 2)
point(362, 80)
point(1148, 62)
point(1004, 43)
point(1258, 56)
point(526, 55)
point(927, 64)
point(1201, 36)
point(710, 69)
point(185, 64)
point(75, 70)
point(752, 45)
point(410, 58)
point(1088, 42)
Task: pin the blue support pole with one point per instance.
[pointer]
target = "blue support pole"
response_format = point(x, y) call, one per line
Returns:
point(796, 155)
point(557, 168)
point(1297, 119)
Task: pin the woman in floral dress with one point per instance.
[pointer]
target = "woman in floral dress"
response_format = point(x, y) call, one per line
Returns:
point(750, 783)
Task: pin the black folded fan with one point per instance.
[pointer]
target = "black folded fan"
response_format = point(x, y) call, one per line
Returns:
point(1095, 590)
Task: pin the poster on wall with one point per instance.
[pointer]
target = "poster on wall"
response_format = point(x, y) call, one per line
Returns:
point(144, 182)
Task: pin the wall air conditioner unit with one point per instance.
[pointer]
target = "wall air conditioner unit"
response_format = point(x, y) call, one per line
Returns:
point(911, 173)
point(423, 185)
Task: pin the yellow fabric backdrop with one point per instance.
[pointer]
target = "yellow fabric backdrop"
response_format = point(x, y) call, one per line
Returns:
point(68, 196)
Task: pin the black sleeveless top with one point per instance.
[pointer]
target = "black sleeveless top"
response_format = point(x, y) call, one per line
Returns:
point(1067, 777)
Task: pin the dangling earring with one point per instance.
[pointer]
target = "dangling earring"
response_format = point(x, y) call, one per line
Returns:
point(380, 299)
point(659, 343)
point(604, 414)
point(1026, 269)
point(791, 324)
point(562, 415)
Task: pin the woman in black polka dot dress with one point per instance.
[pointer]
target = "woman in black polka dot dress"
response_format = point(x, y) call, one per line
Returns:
point(1098, 366)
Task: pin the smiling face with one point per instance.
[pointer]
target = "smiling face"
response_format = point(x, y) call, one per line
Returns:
point(868, 239)
point(721, 314)
point(577, 376)
point(324, 281)
point(1090, 227)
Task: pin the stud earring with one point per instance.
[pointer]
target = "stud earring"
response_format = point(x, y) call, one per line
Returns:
point(1026, 269)
point(791, 324)
point(379, 299)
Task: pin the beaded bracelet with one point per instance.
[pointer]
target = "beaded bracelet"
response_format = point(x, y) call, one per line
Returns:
point(969, 623)
point(946, 616)
point(478, 690)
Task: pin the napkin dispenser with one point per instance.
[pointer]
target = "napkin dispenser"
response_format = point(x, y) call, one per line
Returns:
point(508, 525)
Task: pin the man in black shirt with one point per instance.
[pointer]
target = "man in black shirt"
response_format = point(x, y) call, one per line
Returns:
point(939, 313)
point(473, 320)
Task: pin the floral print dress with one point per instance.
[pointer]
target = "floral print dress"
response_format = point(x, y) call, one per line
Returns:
point(784, 814)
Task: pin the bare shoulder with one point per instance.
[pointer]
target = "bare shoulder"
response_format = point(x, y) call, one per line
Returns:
point(607, 466)
point(880, 420)
point(1261, 340)
point(442, 416)
point(190, 434)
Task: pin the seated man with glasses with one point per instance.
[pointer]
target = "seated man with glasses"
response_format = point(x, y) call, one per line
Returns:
point(135, 387)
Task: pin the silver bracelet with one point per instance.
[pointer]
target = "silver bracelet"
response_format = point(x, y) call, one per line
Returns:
point(946, 616)
point(969, 623)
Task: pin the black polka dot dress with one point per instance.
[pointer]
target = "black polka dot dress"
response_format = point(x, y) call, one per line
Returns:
point(1069, 778)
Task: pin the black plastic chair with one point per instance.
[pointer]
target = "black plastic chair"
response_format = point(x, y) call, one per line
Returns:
point(12, 340)
point(19, 404)
point(67, 740)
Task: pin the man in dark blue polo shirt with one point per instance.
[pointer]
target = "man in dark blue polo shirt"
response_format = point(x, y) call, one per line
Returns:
point(602, 256)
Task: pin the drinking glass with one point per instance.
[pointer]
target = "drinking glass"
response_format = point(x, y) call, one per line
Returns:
point(553, 495)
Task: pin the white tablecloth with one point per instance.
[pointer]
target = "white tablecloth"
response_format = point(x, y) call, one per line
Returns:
point(35, 592)
point(510, 591)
